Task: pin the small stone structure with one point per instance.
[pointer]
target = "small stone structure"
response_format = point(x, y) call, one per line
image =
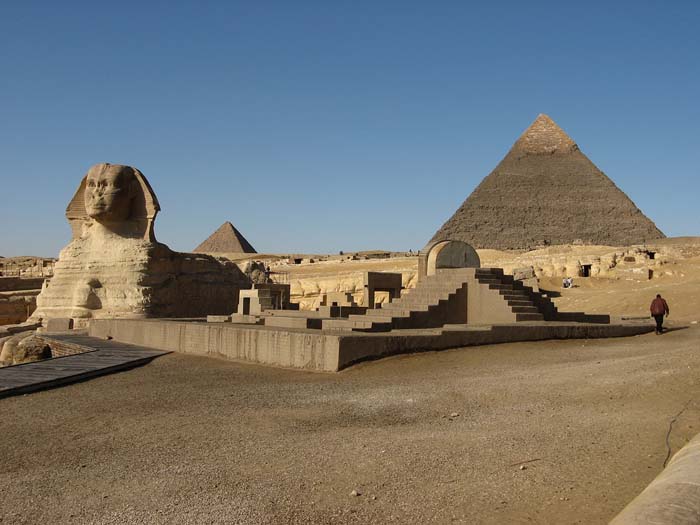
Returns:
point(265, 296)
point(114, 267)
point(381, 282)
point(453, 289)
point(337, 299)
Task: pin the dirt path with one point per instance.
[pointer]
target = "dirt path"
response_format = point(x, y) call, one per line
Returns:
point(199, 440)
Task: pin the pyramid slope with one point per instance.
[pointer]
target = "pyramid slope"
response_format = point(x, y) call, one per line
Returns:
point(545, 191)
point(227, 239)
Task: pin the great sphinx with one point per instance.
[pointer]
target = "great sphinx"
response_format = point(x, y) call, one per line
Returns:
point(114, 267)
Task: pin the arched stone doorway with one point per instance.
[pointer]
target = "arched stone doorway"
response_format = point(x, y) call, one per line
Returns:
point(448, 254)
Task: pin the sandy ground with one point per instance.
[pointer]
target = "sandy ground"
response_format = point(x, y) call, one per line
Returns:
point(200, 440)
point(632, 297)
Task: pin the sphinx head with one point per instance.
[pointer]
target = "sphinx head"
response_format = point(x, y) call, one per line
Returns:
point(109, 191)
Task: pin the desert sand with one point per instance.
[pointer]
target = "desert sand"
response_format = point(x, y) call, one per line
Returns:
point(554, 432)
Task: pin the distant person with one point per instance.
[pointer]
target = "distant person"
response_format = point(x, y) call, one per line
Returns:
point(659, 308)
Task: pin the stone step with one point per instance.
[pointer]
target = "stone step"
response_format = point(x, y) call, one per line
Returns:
point(514, 294)
point(425, 297)
point(525, 310)
point(402, 312)
point(489, 280)
point(372, 318)
point(529, 317)
point(501, 286)
point(520, 302)
point(365, 326)
point(437, 286)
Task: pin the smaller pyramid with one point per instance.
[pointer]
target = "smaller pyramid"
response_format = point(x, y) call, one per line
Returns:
point(227, 239)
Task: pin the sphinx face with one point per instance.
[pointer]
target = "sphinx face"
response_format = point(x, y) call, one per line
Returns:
point(108, 192)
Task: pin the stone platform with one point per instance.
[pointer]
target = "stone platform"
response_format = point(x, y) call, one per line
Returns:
point(93, 357)
point(331, 351)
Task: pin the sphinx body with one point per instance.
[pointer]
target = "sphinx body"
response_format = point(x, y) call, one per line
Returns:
point(114, 267)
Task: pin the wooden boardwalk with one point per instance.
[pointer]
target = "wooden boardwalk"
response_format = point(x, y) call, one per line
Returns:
point(101, 357)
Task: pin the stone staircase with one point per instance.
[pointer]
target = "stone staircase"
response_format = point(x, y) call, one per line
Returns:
point(524, 302)
point(433, 303)
point(529, 305)
point(441, 299)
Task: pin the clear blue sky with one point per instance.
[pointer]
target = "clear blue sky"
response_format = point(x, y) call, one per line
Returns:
point(318, 126)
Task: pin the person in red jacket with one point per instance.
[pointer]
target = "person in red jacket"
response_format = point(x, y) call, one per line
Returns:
point(659, 308)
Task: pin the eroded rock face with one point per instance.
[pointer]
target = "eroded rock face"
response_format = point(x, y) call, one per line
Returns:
point(31, 349)
point(114, 267)
point(255, 270)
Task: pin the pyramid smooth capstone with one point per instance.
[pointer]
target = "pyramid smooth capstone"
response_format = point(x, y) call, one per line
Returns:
point(545, 191)
point(226, 239)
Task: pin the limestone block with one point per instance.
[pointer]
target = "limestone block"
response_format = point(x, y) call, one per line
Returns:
point(218, 318)
point(244, 319)
point(59, 324)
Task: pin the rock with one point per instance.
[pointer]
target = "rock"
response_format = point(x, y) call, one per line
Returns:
point(523, 467)
point(32, 349)
point(356, 493)
point(520, 274)
point(454, 414)
point(22, 349)
point(255, 271)
point(6, 355)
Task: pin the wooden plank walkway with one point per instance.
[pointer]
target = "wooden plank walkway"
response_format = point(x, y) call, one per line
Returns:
point(100, 358)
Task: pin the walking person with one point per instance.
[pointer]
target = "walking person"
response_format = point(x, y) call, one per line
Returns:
point(659, 308)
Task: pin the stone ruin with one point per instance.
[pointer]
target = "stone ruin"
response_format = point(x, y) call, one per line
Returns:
point(545, 191)
point(114, 266)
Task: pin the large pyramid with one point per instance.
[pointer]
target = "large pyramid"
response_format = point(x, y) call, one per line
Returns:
point(227, 239)
point(545, 191)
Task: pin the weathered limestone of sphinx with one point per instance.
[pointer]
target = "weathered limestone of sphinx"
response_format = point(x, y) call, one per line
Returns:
point(114, 267)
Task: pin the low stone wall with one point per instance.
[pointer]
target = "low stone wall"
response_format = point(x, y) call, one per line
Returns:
point(16, 309)
point(281, 347)
point(9, 284)
point(673, 496)
point(331, 351)
point(362, 347)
